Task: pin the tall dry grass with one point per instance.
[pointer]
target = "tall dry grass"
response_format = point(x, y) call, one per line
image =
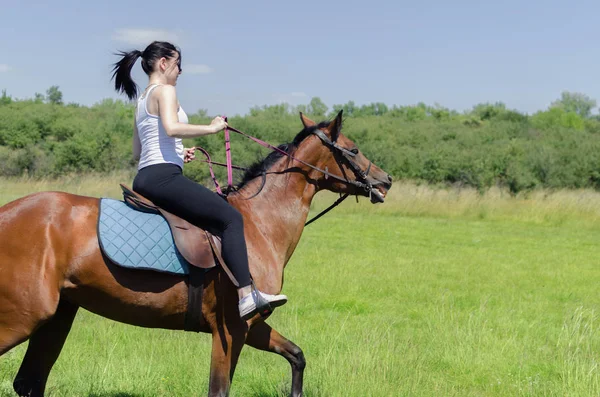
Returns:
point(540, 206)
point(96, 185)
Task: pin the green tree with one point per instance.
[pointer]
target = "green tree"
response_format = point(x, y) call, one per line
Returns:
point(488, 111)
point(439, 112)
point(350, 109)
point(301, 108)
point(374, 109)
point(557, 117)
point(575, 102)
point(335, 109)
point(5, 99)
point(316, 107)
point(202, 113)
point(53, 95)
point(380, 108)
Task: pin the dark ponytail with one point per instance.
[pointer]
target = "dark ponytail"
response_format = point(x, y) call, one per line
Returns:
point(122, 73)
point(152, 53)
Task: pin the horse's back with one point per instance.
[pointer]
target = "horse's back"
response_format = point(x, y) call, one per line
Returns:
point(37, 216)
point(48, 200)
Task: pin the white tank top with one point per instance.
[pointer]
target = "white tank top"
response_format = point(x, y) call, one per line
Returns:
point(157, 146)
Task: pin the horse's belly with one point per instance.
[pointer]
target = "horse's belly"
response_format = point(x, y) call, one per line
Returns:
point(137, 297)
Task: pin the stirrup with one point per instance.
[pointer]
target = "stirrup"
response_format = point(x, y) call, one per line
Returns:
point(263, 307)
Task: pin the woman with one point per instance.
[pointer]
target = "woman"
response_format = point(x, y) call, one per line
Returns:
point(160, 125)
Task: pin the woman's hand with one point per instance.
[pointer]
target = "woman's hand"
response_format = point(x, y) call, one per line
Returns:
point(188, 154)
point(218, 124)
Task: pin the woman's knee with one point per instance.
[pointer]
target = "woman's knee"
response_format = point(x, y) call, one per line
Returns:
point(234, 218)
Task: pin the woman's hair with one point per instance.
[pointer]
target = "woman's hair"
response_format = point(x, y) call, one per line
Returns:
point(152, 53)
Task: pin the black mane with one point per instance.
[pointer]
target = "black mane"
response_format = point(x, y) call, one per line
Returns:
point(259, 168)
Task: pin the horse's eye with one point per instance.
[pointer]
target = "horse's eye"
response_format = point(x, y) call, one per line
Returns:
point(354, 150)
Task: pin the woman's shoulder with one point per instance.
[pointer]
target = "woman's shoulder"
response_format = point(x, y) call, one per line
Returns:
point(165, 89)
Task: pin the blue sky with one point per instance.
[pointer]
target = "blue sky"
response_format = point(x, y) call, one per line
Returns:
point(238, 54)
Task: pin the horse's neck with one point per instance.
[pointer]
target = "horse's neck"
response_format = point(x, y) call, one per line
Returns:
point(274, 220)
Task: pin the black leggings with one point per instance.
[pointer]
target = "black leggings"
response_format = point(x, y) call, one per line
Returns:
point(165, 185)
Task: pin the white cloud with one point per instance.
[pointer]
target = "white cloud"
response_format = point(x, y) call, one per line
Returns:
point(4, 68)
point(196, 69)
point(143, 37)
point(299, 94)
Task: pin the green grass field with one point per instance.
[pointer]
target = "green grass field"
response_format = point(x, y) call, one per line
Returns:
point(435, 293)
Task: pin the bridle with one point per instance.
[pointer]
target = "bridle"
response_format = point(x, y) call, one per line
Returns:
point(361, 181)
point(348, 155)
point(338, 151)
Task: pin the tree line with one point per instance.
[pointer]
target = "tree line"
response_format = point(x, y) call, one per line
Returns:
point(490, 144)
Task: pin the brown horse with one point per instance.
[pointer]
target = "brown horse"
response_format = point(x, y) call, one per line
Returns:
point(51, 263)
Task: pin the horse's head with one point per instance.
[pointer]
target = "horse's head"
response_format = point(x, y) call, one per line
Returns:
point(352, 172)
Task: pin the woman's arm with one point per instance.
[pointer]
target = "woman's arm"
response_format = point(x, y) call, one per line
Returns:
point(167, 107)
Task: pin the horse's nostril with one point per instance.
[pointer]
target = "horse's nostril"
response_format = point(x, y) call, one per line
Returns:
point(389, 178)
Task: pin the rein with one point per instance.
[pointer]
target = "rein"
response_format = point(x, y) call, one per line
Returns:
point(346, 154)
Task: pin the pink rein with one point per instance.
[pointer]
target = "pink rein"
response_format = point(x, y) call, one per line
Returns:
point(228, 155)
point(229, 165)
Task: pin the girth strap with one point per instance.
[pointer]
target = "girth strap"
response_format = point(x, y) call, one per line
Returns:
point(194, 320)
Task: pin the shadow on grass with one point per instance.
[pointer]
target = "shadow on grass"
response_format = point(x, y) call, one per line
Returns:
point(282, 390)
point(115, 394)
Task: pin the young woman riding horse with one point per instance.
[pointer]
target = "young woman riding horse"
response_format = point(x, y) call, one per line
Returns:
point(51, 263)
point(160, 125)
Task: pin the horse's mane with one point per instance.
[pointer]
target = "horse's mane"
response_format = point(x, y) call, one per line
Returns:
point(260, 167)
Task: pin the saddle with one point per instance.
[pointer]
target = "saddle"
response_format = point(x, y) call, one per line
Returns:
point(197, 246)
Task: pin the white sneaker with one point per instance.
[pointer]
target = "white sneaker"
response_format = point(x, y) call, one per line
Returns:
point(266, 303)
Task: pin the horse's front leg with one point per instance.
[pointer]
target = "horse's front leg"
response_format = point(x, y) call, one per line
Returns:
point(263, 337)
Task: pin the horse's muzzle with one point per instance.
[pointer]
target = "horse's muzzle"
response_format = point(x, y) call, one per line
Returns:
point(379, 190)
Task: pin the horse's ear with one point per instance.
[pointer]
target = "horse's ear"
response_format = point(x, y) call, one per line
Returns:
point(306, 121)
point(335, 127)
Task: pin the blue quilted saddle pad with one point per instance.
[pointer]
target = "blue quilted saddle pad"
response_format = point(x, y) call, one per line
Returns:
point(138, 240)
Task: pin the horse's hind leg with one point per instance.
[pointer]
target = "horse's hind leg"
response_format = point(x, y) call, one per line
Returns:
point(10, 338)
point(43, 350)
point(16, 322)
point(263, 337)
